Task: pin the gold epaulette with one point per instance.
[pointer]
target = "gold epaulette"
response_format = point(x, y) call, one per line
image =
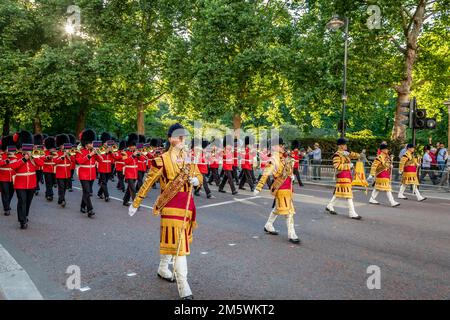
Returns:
point(158, 161)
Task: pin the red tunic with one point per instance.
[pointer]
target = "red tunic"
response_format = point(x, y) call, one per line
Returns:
point(6, 173)
point(248, 159)
point(62, 166)
point(227, 160)
point(118, 161)
point(105, 162)
point(86, 169)
point(25, 172)
point(49, 164)
point(297, 157)
point(142, 163)
point(130, 170)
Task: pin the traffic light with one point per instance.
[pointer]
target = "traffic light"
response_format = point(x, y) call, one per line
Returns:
point(410, 106)
point(422, 122)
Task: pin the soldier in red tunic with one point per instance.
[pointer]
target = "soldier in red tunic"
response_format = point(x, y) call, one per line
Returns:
point(63, 163)
point(295, 154)
point(24, 179)
point(227, 165)
point(38, 144)
point(7, 152)
point(87, 173)
point(131, 159)
point(73, 162)
point(247, 165)
point(119, 163)
point(199, 157)
point(49, 167)
point(105, 163)
point(142, 162)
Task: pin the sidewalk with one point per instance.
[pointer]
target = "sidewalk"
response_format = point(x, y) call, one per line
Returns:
point(15, 283)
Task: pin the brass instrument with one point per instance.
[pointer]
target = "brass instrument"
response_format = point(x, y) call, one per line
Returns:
point(100, 151)
point(115, 148)
point(387, 165)
point(285, 173)
point(37, 153)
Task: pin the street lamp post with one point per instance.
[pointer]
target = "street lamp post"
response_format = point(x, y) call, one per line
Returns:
point(334, 24)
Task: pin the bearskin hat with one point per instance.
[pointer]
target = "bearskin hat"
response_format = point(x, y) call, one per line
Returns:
point(122, 144)
point(61, 139)
point(227, 140)
point(72, 139)
point(295, 144)
point(22, 137)
point(249, 140)
point(38, 139)
point(276, 141)
point(205, 143)
point(132, 139)
point(7, 141)
point(87, 136)
point(341, 141)
point(105, 136)
point(153, 142)
point(44, 136)
point(141, 138)
point(50, 143)
point(383, 146)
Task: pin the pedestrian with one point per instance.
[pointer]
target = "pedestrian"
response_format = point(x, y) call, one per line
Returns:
point(316, 161)
point(426, 169)
point(442, 156)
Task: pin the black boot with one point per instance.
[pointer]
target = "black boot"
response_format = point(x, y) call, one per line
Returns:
point(91, 213)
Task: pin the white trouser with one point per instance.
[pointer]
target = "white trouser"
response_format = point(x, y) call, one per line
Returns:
point(417, 193)
point(351, 209)
point(270, 221)
point(163, 269)
point(290, 226)
point(391, 198)
point(401, 191)
point(181, 271)
point(331, 204)
point(374, 195)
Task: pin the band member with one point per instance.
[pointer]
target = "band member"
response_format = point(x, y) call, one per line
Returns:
point(247, 165)
point(73, 162)
point(131, 159)
point(236, 161)
point(177, 176)
point(295, 154)
point(62, 167)
point(282, 169)
point(105, 162)
point(24, 179)
point(49, 167)
point(119, 163)
point(382, 169)
point(38, 143)
point(343, 165)
point(8, 150)
point(227, 165)
point(142, 163)
point(198, 153)
point(214, 163)
point(86, 160)
point(408, 167)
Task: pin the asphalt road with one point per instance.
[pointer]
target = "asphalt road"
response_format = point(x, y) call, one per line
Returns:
point(232, 258)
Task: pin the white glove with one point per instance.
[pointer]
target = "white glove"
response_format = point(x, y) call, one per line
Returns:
point(370, 178)
point(194, 181)
point(255, 192)
point(351, 165)
point(132, 210)
point(293, 177)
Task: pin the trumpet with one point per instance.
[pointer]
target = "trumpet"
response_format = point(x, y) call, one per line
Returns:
point(115, 148)
point(37, 153)
point(101, 150)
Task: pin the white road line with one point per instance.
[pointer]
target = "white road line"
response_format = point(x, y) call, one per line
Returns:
point(227, 202)
point(117, 199)
point(15, 283)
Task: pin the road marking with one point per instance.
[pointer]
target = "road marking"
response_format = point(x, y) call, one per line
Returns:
point(85, 289)
point(255, 237)
point(15, 283)
point(227, 202)
point(131, 274)
point(232, 244)
point(204, 252)
point(117, 199)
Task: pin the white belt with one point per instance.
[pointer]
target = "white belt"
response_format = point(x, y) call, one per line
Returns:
point(106, 161)
point(49, 163)
point(120, 162)
point(25, 174)
point(5, 169)
point(130, 166)
point(86, 166)
point(63, 165)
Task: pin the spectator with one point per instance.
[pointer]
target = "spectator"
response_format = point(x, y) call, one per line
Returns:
point(403, 151)
point(304, 161)
point(316, 161)
point(442, 156)
point(446, 176)
point(426, 166)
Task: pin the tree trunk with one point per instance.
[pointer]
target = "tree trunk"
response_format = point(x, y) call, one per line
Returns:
point(237, 120)
point(37, 125)
point(81, 120)
point(403, 90)
point(6, 122)
point(141, 118)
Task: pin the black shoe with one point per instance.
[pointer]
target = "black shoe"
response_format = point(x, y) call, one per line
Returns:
point(330, 211)
point(70, 190)
point(253, 189)
point(100, 196)
point(36, 193)
point(197, 193)
point(223, 191)
point(301, 185)
point(7, 213)
point(63, 203)
point(234, 192)
point(106, 199)
point(83, 210)
point(49, 199)
point(91, 214)
point(242, 188)
point(126, 204)
point(294, 241)
point(164, 278)
point(191, 297)
point(274, 233)
point(23, 226)
point(209, 196)
point(357, 218)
